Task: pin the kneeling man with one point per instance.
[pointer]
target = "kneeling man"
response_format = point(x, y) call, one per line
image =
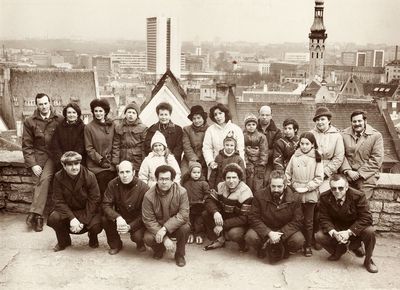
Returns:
point(345, 221)
point(122, 207)
point(165, 213)
point(76, 199)
point(276, 218)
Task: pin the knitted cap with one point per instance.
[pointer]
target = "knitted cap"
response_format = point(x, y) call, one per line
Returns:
point(134, 106)
point(193, 164)
point(158, 137)
point(250, 118)
point(322, 111)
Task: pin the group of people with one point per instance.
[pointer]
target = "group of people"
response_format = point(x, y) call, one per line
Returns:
point(277, 191)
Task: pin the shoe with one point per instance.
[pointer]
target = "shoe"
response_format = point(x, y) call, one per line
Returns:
point(115, 251)
point(214, 245)
point(359, 252)
point(31, 220)
point(39, 223)
point(370, 266)
point(58, 248)
point(158, 255)
point(180, 261)
point(307, 251)
point(261, 253)
point(243, 248)
point(199, 240)
point(339, 252)
point(190, 239)
point(93, 241)
point(141, 247)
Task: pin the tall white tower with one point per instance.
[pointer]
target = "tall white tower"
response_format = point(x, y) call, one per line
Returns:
point(317, 38)
point(163, 46)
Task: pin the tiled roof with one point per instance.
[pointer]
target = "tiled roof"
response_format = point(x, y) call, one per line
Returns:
point(380, 90)
point(170, 80)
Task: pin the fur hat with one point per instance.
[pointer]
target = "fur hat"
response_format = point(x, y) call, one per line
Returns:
point(70, 156)
point(193, 164)
point(158, 137)
point(134, 106)
point(250, 118)
point(100, 103)
point(322, 111)
point(197, 110)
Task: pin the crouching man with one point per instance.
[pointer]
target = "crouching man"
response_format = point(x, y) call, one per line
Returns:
point(165, 213)
point(76, 199)
point(276, 220)
point(122, 207)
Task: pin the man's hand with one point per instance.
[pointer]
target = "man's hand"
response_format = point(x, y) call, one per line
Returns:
point(37, 170)
point(160, 235)
point(338, 237)
point(75, 225)
point(353, 175)
point(218, 230)
point(169, 245)
point(218, 220)
point(122, 225)
point(345, 236)
point(213, 165)
point(275, 236)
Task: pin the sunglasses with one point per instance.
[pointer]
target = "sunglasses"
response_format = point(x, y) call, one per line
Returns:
point(339, 188)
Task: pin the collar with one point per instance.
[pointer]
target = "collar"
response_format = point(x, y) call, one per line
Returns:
point(44, 117)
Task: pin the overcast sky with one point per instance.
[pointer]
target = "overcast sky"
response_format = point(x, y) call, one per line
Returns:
point(264, 21)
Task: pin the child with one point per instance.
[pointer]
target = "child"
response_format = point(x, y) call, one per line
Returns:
point(255, 153)
point(226, 156)
point(305, 173)
point(285, 146)
point(158, 156)
point(197, 188)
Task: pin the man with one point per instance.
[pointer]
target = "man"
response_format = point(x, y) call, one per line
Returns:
point(36, 140)
point(165, 213)
point(267, 126)
point(345, 221)
point(285, 146)
point(172, 132)
point(275, 218)
point(122, 207)
point(363, 153)
point(76, 199)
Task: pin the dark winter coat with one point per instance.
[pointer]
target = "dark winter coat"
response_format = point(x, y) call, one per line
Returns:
point(197, 190)
point(68, 137)
point(193, 146)
point(77, 199)
point(125, 200)
point(266, 215)
point(255, 148)
point(273, 134)
point(128, 143)
point(37, 136)
point(354, 214)
point(284, 148)
point(173, 135)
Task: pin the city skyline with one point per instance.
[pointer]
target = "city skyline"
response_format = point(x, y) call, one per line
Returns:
point(263, 21)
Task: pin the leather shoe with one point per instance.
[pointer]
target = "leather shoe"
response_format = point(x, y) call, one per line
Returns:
point(141, 247)
point(359, 252)
point(58, 247)
point(180, 261)
point(114, 251)
point(370, 266)
point(158, 255)
point(39, 224)
point(243, 248)
point(31, 219)
point(93, 241)
point(339, 252)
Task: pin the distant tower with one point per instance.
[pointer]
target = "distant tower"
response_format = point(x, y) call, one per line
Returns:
point(317, 38)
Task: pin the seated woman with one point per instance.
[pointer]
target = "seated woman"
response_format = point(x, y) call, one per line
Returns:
point(227, 209)
point(158, 156)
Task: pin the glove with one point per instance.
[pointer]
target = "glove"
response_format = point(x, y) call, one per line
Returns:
point(75, 226)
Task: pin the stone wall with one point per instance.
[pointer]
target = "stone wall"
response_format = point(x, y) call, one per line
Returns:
point(16, 188)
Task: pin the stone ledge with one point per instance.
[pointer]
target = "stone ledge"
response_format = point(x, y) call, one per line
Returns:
point(389, 181)
point(13, 158)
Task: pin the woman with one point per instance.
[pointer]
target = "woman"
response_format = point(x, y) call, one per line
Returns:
point(227, 209)
point(193, 136)
point(99, 134)
point(129, 138)
point(68, 136)
point(216, 133)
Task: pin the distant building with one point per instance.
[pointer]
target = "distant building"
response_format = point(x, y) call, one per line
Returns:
point(365, 74)
point(85, 61)
point(392, 69)
point(127, 63)
point(43, 60)
point(163, 46)
point(349, 58)
point(299, 57)
point(255, 66)
point(69, 55)
point(102, 66)
point(370, 58)
point(56, 59)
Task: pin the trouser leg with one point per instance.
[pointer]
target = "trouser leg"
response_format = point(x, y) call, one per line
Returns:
point(150, 240)
point(308, 212)
point(103, 178)
point(181, 235)
point(295, 242)
point(235, 234)
point(209, 225)
point(61, 227)
point(326, 241)
point(113, 238)
point(253, 239)
point(369, 240)
point(137, 236)
point(41, 188)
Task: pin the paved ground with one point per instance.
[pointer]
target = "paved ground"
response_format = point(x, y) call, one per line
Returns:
point(28, 262)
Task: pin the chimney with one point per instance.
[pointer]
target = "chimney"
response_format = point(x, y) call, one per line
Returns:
point(395, 54)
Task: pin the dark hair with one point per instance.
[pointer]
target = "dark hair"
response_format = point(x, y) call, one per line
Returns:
point(164, 106)
point(103, 103)
point(164, 169)
point(41, 95)
point(222, 108)
point(291, 122)
point(358, 112)
point(278, 174)
point(233, 167)
point(74, 106)
point(337, 177)
point(310, 137)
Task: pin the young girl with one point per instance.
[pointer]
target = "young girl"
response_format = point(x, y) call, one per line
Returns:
point(197, 188)
point(158, 156)
point(305, 173)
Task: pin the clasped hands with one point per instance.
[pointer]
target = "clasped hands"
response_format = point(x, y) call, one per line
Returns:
point(341, 237)
point(219, 222)
point(75, 226)
point(353, 175)
point(122, 226)
point(274, 237)
point(162, 238)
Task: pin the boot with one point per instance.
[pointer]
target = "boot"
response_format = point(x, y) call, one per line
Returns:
point(93, 241)
point(31, 220)
point(39, 223)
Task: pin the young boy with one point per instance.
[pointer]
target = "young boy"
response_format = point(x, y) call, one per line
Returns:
point(286, 145)
point(256, 153)
point(226, 156)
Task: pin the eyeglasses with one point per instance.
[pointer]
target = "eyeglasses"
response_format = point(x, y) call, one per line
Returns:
point(339, 188)
point(164, 179)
